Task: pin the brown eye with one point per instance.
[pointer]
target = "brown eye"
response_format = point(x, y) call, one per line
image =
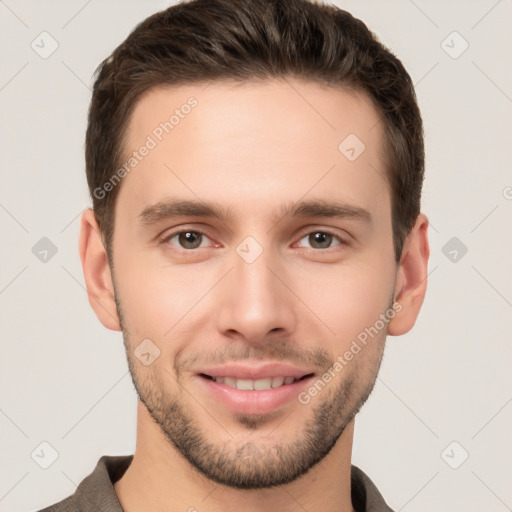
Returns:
point(321, 239)
point(187, 239)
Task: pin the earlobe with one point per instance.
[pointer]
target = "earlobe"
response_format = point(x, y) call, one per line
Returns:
point(98, 279)
point(411, 278)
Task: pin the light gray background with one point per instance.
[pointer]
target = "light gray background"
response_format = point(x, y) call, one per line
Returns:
point(63, 376)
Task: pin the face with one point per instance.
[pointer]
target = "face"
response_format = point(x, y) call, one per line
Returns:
point(250, 251)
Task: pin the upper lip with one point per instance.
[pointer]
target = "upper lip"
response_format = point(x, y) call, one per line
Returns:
point(264, 371)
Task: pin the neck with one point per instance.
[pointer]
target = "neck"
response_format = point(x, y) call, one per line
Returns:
point(159, 478)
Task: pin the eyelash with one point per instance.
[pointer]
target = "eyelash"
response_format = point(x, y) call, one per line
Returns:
point(165, 239)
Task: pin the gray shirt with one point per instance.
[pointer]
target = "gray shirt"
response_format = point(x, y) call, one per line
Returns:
point(96, 491)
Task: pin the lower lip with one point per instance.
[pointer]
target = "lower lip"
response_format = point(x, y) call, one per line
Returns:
point(256, 401)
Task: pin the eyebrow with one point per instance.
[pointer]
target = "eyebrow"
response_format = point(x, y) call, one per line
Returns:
point(169, 209)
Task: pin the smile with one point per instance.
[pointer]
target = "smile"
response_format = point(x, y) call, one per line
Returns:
point(256, 385)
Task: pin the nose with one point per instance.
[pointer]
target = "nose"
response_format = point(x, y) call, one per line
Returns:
point(254, 303)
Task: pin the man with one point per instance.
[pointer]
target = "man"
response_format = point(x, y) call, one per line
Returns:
point(256, 171)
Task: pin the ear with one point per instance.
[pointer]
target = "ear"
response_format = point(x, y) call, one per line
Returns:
point(98, 279)
point(411, 278)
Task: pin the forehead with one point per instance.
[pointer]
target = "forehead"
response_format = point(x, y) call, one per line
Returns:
point(244, 143)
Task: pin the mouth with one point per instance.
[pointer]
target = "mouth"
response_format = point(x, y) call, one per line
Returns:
point(270, 389)
point(258, 384)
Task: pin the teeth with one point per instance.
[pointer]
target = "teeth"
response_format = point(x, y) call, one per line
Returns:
point(277, 381)
point(260, 384)
point(228, 381)
point(244, 384)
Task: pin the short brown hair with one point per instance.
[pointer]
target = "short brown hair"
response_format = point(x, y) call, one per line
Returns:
point(202, 40)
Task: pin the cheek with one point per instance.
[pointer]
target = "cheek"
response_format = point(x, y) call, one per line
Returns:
point(155, 297)
point(161, 301)
point(348, 298)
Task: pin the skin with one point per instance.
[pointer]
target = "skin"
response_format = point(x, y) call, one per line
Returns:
point(256, 148)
